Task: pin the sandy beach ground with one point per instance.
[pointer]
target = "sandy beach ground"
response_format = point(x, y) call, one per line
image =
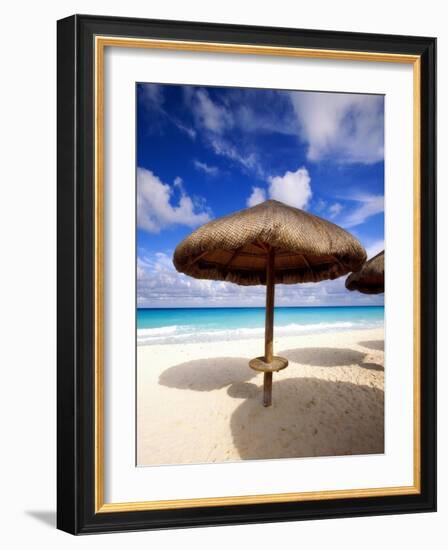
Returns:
point(201, 403)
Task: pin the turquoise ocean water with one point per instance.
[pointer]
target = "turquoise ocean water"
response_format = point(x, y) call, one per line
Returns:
point(165, 326)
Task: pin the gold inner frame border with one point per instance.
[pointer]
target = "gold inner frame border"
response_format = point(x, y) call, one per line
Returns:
point(101, 42)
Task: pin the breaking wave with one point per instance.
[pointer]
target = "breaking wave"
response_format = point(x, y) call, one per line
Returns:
point(192, 334)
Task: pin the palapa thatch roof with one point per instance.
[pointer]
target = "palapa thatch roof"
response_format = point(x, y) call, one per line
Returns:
point(234, 248)
point(370, 278)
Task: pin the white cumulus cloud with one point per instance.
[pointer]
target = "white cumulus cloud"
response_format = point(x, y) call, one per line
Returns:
point(292, 188)
point(257, 196)
point(155, 208)
point(348, 128)
point(160, 285)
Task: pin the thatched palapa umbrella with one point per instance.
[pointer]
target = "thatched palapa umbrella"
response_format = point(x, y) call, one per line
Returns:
point(267, 244)
point(370, 278)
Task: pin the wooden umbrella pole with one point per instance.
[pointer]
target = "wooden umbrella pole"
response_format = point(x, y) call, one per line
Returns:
point(269, 326)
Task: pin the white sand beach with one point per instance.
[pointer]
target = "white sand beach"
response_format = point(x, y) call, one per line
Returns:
point(201, 403)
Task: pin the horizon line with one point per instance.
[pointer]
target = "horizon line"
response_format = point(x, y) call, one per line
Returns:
point(257, 307)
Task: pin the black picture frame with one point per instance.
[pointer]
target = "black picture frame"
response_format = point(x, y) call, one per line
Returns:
point(76, 264)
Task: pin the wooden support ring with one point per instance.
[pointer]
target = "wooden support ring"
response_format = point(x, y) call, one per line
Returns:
point(259, 364)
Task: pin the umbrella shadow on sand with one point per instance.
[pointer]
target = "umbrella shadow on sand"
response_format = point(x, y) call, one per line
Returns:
point(324, 357)
point(330, 357)
point(376, 345)
point(309, 417)
point(207, 374)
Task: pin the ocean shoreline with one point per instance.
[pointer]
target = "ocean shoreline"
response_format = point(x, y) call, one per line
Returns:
point(198, 325)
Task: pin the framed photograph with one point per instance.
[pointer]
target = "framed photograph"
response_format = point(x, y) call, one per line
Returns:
point(246, 274)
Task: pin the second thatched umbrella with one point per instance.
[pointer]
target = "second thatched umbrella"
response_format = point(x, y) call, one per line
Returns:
point(267, 244)
point(370, 278)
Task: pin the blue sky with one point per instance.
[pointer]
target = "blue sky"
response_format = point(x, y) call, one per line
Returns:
point(203, 152)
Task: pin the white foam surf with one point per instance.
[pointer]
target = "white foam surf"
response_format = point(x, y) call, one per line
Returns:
point(189, 334)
